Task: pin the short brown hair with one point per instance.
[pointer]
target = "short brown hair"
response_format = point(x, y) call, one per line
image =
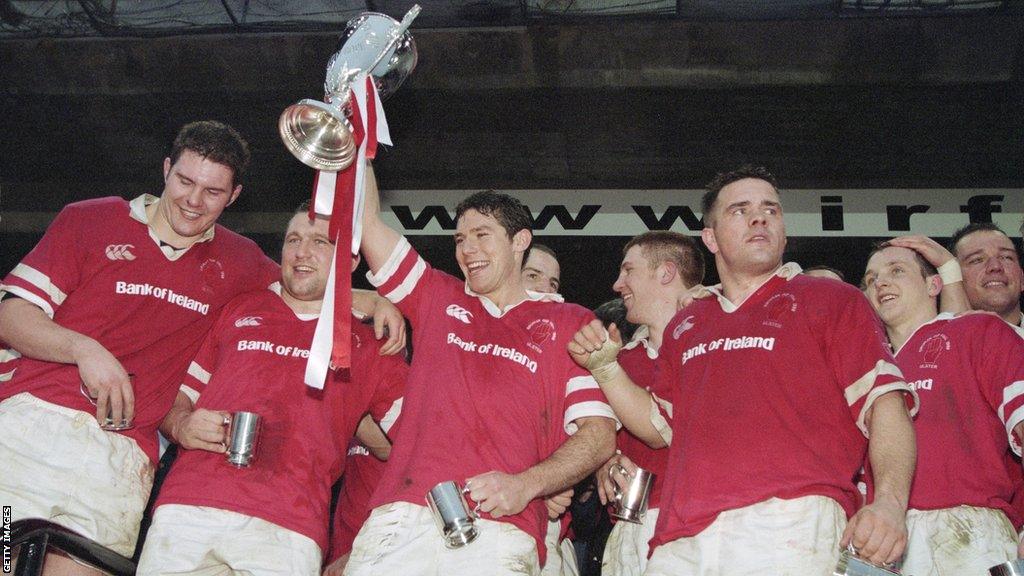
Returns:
point(723, 179)
point(216, 141)
point(927, 269)
point(666, 246)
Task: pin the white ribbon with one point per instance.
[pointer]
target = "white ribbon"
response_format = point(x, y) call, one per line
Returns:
point(323, 338)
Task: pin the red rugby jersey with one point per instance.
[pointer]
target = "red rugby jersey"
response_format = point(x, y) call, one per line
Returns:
point(640, 364)
point(769, 398)
point(98, 271)
point(362, 474)
point(487, 389)
point(969, 374)
point(254, 360)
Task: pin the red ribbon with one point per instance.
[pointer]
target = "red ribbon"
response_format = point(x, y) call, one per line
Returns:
point(340, 229)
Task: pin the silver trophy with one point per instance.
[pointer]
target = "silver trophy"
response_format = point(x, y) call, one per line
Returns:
point(319, 133)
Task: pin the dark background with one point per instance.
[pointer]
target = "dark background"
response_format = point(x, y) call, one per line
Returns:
point(827, 98)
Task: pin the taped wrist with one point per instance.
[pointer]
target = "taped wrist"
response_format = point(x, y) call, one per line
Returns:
point(607, 372)
point(603, 364)
point(950, 272)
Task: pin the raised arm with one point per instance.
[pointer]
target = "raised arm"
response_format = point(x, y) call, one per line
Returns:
point(953, 298)
point(379, 240)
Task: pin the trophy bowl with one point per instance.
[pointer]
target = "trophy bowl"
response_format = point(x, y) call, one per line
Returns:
point(363, 39)
point(319, 133)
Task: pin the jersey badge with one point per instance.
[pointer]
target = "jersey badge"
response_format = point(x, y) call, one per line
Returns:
point(932, 348)
point(248, 321)
point(541, 331)
point(212, 272)
point(777, 308)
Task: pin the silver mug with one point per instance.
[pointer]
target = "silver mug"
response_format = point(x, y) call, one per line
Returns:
point(851, 565)
point(631, 503)
point(1011, 568)
point(243, 438)
point(457, 523)
point(108, 423)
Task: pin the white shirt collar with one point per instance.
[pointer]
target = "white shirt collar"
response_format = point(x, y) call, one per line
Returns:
point(788, 271)
point(642, 336)
point(138, 212)
point(531, 296)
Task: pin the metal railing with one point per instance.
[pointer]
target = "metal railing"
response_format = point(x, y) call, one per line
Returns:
point(34, 536)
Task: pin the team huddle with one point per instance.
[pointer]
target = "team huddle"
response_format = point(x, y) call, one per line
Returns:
point(786, 416)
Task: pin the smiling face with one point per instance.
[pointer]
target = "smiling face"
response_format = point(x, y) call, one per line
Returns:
point(489, 259)
point(992, 272)
point(746, 232)
point(305, 263)
point(897, 288)
point(638, 285)
point(541, 272)
point(196, 192)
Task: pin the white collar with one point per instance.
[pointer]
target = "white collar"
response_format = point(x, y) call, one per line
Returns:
point(788, 271)
point(642, 336)
point(138, 213)
point(531, 296)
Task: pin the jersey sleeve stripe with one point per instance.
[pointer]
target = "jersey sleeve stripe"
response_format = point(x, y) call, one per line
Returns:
point(877, 393)
point(1015, 418)
point(585, 409)
point(41, 281)
point(196, 371)
point(578, 383)
point(854, 392)
point(30, 296)
point(192, 394)
point(8, 354)
point(659, 409)
point(393, 262)
point(391, 416)
point(405, 288)
point(1010, 393)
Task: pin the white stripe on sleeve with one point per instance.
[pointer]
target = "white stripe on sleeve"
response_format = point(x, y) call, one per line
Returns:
point(854, 392)
point(585, 409)
point(41, 281)
point(391, 416)
point(199, 373)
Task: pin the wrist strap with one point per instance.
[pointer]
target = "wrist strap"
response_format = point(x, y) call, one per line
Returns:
point(950, 272)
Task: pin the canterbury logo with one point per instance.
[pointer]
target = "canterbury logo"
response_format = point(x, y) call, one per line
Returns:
point(120, 252)
point(248, 321)
point(683, 327)
point(459, 313)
